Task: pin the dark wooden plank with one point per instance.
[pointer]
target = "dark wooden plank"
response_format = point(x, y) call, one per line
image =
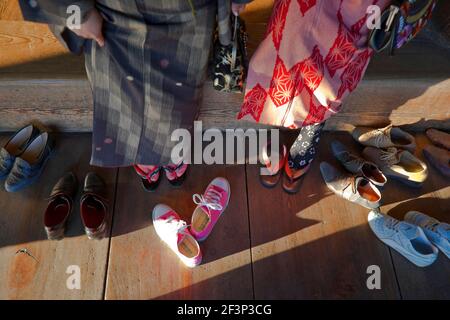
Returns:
point(21, 227)
point(143, 267)
point(432, 199)
point(313, 245)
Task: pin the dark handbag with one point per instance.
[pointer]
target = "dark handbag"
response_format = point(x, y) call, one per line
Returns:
point(400, 23)
point(230, 62)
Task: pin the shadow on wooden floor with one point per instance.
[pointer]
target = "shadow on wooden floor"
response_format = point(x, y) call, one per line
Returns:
point(268, 244)
point(323, 273)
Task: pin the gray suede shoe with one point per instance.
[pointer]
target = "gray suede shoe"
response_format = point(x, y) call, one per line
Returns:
point(358, 165)
point(29, 166)
point(398, 164)
point(14, 148)
point(385, 138)
point(439, 138)
point(439, 158)
point(351, 187)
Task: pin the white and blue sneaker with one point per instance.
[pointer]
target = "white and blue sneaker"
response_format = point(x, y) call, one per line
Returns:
point(407, 239)
point(437, 232)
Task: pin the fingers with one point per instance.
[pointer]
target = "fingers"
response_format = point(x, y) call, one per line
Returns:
point(92, 28)
point(100, 39)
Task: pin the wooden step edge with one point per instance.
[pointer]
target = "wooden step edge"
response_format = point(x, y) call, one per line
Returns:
point(67, 105)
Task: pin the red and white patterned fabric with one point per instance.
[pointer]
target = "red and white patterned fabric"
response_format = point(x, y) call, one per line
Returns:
point(314, 54)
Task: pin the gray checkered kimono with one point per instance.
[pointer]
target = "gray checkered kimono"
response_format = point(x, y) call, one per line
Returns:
point(147, 80)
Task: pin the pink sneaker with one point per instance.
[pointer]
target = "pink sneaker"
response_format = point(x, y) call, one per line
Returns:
point(210, 207)
point(174, 232)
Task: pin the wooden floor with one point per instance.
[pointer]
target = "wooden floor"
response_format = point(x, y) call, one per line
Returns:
point(268, 244)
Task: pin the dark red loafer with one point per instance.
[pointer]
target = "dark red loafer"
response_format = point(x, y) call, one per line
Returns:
point(93, 206)
point(60, 206)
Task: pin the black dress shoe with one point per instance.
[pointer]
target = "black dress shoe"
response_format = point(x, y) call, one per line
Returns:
point(93, 206)
point(14, 148)
point(60, 206)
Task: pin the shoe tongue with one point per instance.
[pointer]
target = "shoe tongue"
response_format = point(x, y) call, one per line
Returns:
point(408, 230)
point(396, 154)
point(388, 129)
point(180, 237)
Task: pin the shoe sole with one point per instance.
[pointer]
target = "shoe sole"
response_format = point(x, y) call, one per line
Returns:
point(375, 206)
point(411, 257)
point(97, 234)
point(409, 183)
point(55, 234)
point(270, 185)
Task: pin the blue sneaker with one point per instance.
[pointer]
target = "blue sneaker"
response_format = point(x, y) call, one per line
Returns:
point(407, 239)
point(14, 148)
point(437, 232)
point(29, 165)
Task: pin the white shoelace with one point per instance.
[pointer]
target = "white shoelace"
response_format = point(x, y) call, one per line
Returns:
point(400, 226)
point(352, 159)
point(178, 226)
point(389, 156)
point(210, 200)
point(392, 224)
point(381, 136)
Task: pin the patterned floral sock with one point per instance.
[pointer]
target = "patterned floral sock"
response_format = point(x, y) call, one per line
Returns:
point(303, 150)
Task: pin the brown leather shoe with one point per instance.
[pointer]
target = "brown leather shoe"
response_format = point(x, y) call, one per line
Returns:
point(439, 158)
point(60, 206)
point(93, 206)
point(439, 138)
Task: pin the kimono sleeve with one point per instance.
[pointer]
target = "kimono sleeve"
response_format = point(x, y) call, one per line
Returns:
point(54, 13)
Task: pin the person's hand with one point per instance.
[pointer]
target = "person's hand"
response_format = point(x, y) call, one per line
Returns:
point(237, 8)
point(92, 28)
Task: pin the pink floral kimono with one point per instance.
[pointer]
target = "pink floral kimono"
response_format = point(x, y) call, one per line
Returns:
point(313, 55)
